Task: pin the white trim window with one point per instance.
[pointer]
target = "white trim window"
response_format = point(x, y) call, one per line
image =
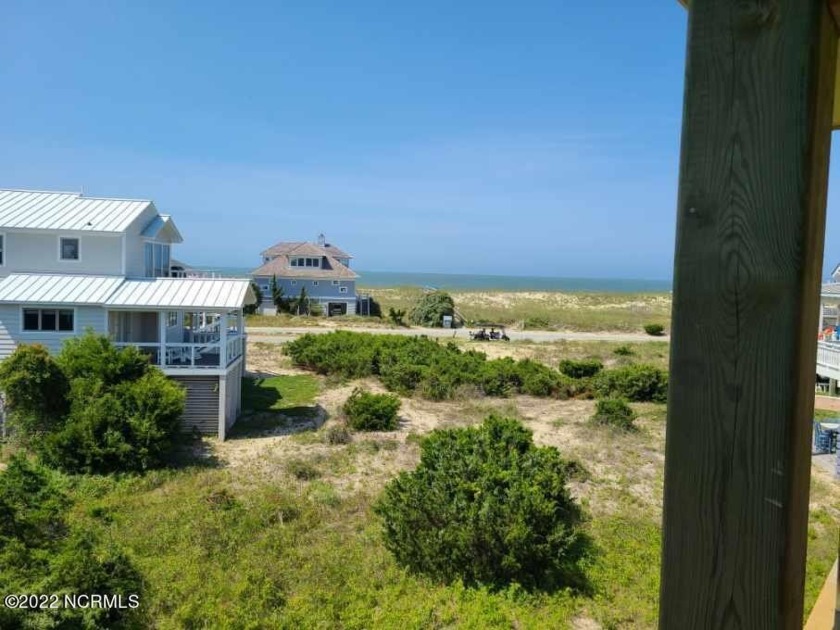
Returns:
point(156, 257)
point(69, 248)
point(294, 282)
point(342, 289)
point(304, 262)
point(335, 283)
point(315, 283)
point(48, 320)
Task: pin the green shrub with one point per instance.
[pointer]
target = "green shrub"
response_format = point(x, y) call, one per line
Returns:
point(580, 368)
point(40, 552)
point(371, 412)
point(119, 414)
point(431, 308)
point(636, 383)
point(614, 412)
point(656, 330)
point(36, 391)
point(486, 506)
point(624, 351)
point(436, 371)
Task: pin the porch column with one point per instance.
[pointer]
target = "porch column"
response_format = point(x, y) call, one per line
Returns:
point(223, 322)
point(162, 338)
point(750, 227)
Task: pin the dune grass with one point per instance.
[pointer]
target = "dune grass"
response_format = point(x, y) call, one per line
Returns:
point(547, 310)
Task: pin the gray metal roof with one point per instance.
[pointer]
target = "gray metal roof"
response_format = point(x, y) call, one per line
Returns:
point(57, 289)
point(37, 210)
point(119, 292)
point(830, 290)
point(160, 222)
point(182, 293)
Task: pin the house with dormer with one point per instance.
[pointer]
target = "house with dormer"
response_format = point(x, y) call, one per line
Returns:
point(320, 268)
point(71, 263)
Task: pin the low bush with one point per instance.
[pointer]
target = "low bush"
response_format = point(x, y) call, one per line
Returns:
point(614, 412)
point(371, 412)
point(107, 410)
point(436, 371)
point(396, 316)
point(636, 383)
point(486, 488)
point(580, 368)
point(655, 330)
point(624, 351)
point(302, 470)
point(337, 434)
point(41, 552)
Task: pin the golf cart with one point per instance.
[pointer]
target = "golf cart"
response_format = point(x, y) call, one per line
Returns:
point(496, 333)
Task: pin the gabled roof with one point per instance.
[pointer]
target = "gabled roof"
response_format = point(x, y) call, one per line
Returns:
point(330, 269)
point(57, 289)
point(163, 224)
point(304, 248)
point(197, 293)
point(119, 292)
point(37, 210)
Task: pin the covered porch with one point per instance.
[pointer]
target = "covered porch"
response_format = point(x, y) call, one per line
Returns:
point(178, 339)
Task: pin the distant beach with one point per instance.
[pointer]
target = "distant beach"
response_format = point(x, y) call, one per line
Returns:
point(477, 282)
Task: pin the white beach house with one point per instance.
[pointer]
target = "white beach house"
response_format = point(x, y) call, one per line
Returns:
point(69, 263)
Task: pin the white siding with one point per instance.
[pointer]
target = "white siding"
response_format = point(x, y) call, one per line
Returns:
point(37, 252)
point(135, 266)
point(11, 334)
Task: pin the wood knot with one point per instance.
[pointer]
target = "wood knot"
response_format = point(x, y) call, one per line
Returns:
point(756, 14)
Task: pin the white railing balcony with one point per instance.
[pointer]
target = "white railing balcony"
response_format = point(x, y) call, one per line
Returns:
point(170, 355)
point(828, 358)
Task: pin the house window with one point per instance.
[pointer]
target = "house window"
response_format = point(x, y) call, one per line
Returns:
point(335, 283)
point(68, 248)
point(48, 320)
point(172, 319)
point(305, 262)
point(157, 260)
point(314, 283)
point(2, 249)
point(294, 282)
point(342, 289)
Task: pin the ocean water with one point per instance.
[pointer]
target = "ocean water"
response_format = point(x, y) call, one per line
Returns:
point(473, 282)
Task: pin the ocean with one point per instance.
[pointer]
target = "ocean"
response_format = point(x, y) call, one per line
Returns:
point(476, 282)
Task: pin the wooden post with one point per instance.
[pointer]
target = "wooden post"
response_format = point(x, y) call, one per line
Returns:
point(750, 228)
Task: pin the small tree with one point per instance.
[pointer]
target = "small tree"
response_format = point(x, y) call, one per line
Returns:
point(397, 316)
point(250, 309)
point(278, 297)
point(300, 304)
point(486, 506)
point(580, 368)
point(431, 308)
point(36, 390)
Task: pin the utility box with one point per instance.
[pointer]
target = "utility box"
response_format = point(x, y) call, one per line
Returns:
point(447, 321)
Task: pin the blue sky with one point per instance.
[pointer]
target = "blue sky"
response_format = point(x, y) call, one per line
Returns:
point(536, 138)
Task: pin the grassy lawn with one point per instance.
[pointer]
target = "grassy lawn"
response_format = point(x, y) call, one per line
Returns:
point(268, 403)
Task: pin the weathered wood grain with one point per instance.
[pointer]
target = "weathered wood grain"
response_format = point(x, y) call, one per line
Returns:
point(750, 229)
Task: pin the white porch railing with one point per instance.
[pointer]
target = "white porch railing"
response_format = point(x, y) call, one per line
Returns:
point(828, 359)
point(208, 355)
